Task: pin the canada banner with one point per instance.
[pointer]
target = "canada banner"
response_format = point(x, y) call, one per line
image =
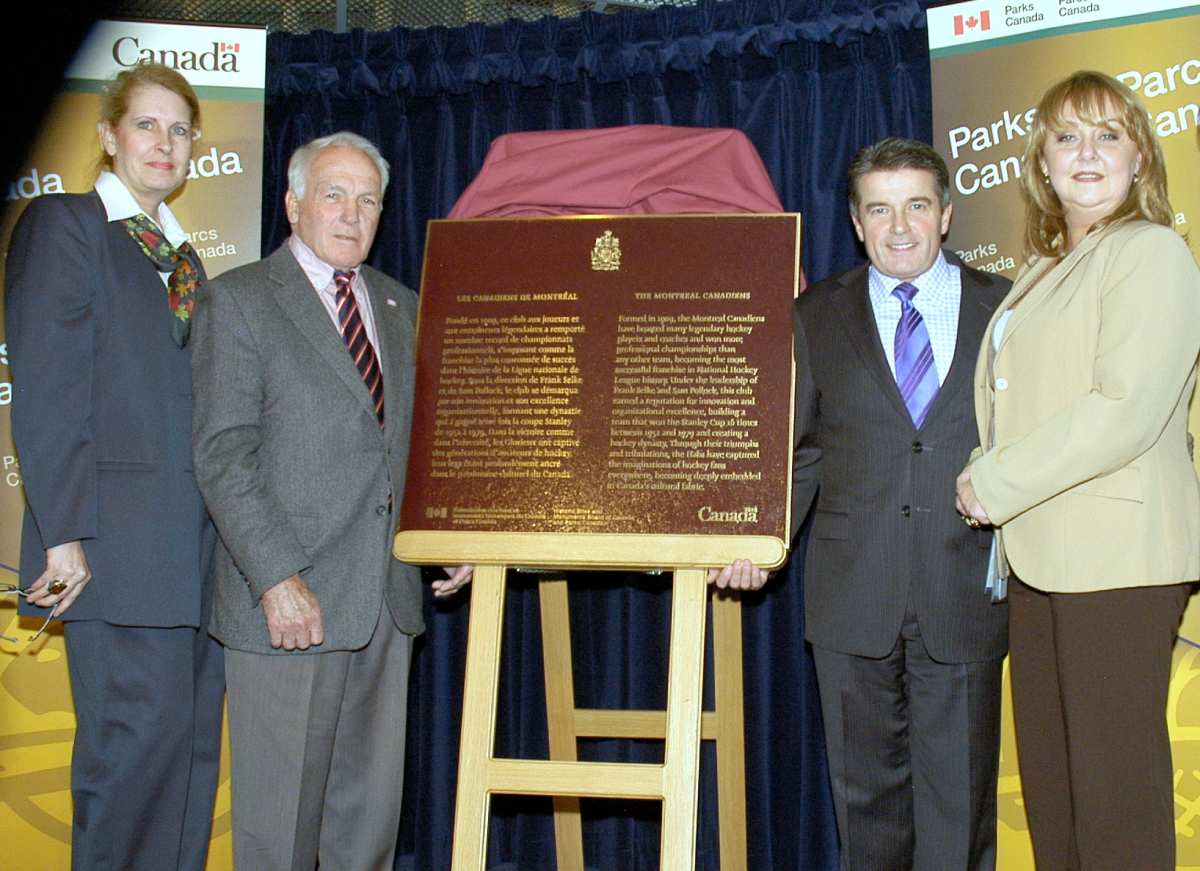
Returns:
point(990, 64)
point(220, 206)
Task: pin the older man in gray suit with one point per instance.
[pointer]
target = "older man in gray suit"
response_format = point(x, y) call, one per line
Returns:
point(908, 643)
point(303, 371)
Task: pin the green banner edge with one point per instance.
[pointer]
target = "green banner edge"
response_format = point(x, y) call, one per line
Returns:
point(204, 92)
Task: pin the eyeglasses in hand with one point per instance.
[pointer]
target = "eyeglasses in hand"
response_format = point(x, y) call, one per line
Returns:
point(12, 589)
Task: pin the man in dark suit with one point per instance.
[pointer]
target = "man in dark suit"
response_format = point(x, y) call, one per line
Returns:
point(303, 368)
point(907, 639)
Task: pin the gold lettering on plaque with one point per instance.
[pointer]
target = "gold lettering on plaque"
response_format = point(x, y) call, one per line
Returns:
point(746, 514)
point(508, 398)
point(685, 407)
point(606, 253)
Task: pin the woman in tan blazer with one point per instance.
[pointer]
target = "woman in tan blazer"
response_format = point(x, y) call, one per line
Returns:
point(1081, 393)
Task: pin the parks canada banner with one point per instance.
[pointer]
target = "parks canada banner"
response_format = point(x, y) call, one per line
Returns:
point(220, 207)
point(990, 63)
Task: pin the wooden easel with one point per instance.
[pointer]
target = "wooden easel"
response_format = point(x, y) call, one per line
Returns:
point(682, 725)
point(725, 725)
point(674, 782)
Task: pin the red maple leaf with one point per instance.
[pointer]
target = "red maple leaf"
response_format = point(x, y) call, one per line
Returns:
point(971, 22)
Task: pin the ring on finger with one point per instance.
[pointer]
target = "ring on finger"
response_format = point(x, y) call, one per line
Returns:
point(58, 585)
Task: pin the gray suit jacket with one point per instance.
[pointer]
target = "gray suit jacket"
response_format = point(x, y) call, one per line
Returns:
point(295, 469)
point(885, 528)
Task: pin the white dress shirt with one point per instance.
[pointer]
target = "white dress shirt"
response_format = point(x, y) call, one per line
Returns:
point(119, 205)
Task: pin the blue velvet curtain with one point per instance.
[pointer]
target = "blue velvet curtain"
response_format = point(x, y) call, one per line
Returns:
point(809, 83)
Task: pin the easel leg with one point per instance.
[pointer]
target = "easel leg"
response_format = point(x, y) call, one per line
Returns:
point(560, 713)
point(731, 730)
point(681, 758)
point(477, 743)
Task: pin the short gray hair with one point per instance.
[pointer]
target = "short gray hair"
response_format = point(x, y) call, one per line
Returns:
point(896, 153)
point(297, 172)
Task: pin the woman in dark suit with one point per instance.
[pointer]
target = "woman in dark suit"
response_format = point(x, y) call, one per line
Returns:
point(116, 542)
point(1082, 392)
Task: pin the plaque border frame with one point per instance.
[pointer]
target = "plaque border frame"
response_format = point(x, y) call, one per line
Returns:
point(605, 550)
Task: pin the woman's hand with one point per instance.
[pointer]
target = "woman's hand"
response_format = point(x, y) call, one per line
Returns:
point(967, 502)
point(66, 575)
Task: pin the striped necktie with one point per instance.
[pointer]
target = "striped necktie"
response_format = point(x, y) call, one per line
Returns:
point(350, 325)
point(915, 374)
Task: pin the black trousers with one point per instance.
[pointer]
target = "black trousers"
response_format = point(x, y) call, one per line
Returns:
point(914, 748)
point(148, 707)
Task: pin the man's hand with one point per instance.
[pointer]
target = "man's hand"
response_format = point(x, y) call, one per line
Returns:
point(459, 576)
point(738, 575)
point(293, 615)
point(66, 574)
point(967, 502)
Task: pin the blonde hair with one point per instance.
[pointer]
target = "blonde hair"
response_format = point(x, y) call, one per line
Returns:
point(1090, 96)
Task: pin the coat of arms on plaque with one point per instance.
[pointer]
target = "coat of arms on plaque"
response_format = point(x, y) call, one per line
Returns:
point(606, 253)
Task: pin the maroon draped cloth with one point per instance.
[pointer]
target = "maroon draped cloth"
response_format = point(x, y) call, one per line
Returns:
point(640, 169)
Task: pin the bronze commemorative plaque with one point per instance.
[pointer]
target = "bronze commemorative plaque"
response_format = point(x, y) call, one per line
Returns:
point(605, 375)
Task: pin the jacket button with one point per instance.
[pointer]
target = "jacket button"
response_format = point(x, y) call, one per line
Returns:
point(1001, 383)
point(905, 510)
point(917, 447)
point(381, 510)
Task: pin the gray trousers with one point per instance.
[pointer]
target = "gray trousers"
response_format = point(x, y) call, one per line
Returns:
point(914, 748)
point(317, 745)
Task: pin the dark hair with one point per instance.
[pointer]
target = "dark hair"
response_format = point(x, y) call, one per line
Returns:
point(1091, 96)
point(896, 153)
point(114, 102)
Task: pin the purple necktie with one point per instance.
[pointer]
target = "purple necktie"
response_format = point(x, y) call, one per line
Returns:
point(915, 375)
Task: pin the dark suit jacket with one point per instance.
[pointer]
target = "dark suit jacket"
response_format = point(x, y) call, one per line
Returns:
point(884, 526)
point(101, 417)
point(297, 473)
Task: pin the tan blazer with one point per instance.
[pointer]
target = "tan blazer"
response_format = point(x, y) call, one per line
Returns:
point(1088, 473)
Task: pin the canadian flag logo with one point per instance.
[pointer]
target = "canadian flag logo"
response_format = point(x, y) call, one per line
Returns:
point(970, 22)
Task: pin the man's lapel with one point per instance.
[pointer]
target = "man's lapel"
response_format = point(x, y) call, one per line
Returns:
point(858, 319)
point(300, 304)
point(973, 317)
point(396, 349)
